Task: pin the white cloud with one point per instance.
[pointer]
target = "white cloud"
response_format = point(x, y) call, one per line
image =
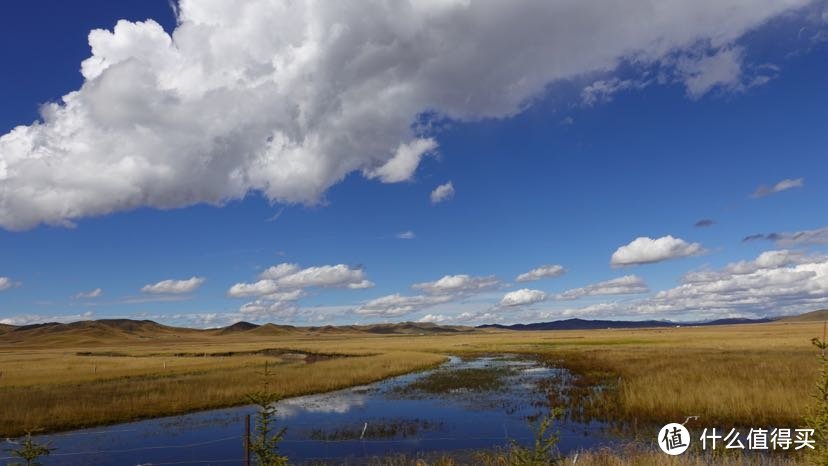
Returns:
point(286, 277)
point(456, 284)
point(361, 285)
point(278, 271)
point(793, 239)
point(544, 271)
point(397, 305)
point(783, 185)
point(602, 91)
point(433, 318)
point(775, 283)
point(406, 235)
point(401, 167)
point(174, 286)
point(645, 250)
point(26, 319)
point(766, 260)
point(263, 307)
point(442, 193)
point(522, 297)
point(286, 98)
point(280, 286)
point(628, 284)
point(258, 288)
point(447, 289)
point(97, 292)
point(703, 72)
point(292, 295)
point(326, 276)
point(802, 238)
point(6, 283)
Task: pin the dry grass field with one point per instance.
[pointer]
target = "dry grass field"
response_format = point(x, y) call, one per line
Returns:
point(602, 457)
point(97, 374)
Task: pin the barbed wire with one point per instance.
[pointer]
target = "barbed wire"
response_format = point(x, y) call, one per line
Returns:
point(234, 460)
point(286, 441)
point(136, 449)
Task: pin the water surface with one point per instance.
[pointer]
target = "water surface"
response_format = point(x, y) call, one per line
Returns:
point(398, 415)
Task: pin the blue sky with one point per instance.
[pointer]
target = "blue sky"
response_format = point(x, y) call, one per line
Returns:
point(184, 170)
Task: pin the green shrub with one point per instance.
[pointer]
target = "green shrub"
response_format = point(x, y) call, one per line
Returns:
point(30, 451)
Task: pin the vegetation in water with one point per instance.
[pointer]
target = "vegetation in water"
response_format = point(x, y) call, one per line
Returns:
point(817, 419)
point(265, 442)
point(29, 451)
point(476, 379)
point(378, 429)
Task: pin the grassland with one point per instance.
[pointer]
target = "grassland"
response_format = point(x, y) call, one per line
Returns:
point(728, 375)
point(603, 457)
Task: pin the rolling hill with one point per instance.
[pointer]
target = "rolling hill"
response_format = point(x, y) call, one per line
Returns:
point(238, 327)
point(94, 330)
point(127, 329)
point(584, 324)
point(814, 316)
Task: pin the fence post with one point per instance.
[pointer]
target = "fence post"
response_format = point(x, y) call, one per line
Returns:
point(247, 440)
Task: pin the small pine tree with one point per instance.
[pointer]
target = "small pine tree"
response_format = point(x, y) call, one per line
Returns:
point(818, 417)
point(545, 450)
point(30, 451)
point(265, 444)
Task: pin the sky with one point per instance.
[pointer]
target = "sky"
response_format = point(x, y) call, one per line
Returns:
point(204, 162)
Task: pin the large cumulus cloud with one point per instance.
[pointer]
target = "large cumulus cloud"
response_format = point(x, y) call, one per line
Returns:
point(286, 98)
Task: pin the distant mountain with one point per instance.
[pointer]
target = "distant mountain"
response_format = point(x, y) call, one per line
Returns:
point(236, 328)
point(90, 331)
point(402, 328)
point(735, 321)
point(93, 330)
point(273, 329)
point(584, 324)
point(814, 316)
point(412, 328)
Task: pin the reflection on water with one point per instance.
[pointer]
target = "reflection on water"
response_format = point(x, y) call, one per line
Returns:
point(411, 414)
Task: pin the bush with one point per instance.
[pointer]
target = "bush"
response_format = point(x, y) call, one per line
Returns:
point(818, 417)
point(265, 444)
point(30, 451)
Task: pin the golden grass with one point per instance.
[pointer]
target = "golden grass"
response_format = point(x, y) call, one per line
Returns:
point(743, 374)
point(658, 458)
point(740, 375)
point(603, 457)
point(102, 399)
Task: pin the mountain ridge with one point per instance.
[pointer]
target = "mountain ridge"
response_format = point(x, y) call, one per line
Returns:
point(145, 329)
point(586, 324)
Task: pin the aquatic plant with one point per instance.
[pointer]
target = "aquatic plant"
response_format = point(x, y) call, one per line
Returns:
point(265, 443)
point(378, 429)
point(460, 380)
point(544, 451)
point(818, 417)
point(30, 451)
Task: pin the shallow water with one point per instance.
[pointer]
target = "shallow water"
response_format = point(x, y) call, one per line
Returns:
point(327, 427)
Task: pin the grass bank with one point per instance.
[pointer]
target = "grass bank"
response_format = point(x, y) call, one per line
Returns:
point(119, 398)
point(623, 457)
point(730, 375)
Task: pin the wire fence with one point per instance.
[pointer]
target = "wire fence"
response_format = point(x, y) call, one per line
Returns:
point(500, 438)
